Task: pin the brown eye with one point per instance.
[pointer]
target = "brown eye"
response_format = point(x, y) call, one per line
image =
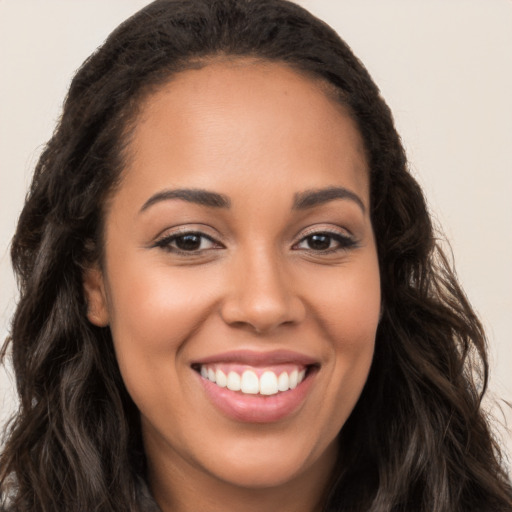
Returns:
point(326, 242)
point(319, 242)
point(191, 242)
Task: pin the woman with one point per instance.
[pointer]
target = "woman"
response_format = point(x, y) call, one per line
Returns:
point(231, 295)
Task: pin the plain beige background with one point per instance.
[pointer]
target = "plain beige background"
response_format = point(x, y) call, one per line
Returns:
point(444, 67)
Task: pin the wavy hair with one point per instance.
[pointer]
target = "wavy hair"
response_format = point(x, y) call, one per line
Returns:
point(417, 439)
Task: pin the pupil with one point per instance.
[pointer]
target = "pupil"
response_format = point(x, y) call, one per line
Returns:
point(188, 242)
point(319, 242)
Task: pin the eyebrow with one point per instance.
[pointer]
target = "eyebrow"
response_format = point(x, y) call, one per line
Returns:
point(317, 197)
point(302, 200)
point(191, 195)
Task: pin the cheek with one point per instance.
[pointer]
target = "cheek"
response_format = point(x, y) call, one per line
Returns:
point(356, 325)
point(348, 303)
point(157, 305)
point(349, 315)
point(154, 311)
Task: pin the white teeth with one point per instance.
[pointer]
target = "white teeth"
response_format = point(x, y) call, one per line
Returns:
point(250, 383)
point(294, 377)
point(234, 381)
point(268, 383)
point(283, 382)
point(220, 378)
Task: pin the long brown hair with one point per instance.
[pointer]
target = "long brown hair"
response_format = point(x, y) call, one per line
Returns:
point(417, 439)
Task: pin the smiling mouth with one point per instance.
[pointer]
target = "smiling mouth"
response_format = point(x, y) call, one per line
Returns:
point(248, 380)
point(257, 387)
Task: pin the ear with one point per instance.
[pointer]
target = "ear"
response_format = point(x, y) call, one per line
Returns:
point(94, 289)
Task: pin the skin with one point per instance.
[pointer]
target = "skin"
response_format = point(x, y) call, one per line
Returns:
point(259, 134)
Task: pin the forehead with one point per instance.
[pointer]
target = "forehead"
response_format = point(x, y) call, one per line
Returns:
point(227, 117)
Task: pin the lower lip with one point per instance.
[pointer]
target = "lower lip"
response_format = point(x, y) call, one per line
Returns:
point(257, 408)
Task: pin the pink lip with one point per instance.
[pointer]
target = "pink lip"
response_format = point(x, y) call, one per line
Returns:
point(253, 358)
point(258, 408)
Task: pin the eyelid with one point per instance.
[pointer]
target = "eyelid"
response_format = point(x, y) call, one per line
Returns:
point(319, 228)
point(189, 228)
point(163, 241)
point(174, 236)
point(344, 238)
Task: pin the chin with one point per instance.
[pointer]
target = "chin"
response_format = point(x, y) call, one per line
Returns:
point(265, 469)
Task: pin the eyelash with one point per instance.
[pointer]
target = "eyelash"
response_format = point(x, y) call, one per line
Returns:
point(165, 242)
point(344, 242)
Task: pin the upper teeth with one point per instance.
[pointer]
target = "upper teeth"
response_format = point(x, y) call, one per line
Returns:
point(268, 383)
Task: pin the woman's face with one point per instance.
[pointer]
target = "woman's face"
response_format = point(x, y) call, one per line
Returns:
point(239, 249)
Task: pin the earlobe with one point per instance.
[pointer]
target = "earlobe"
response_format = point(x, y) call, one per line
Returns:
point(94, 290)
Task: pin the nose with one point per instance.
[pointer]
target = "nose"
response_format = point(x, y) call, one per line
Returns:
point(261, 296)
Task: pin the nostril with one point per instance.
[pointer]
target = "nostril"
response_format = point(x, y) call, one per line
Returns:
point(262, 313)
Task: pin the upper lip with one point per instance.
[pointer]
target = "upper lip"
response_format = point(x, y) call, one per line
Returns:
point(254, 358)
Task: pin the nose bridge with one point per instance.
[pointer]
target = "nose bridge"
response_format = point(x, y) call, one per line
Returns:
point(261, 295)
